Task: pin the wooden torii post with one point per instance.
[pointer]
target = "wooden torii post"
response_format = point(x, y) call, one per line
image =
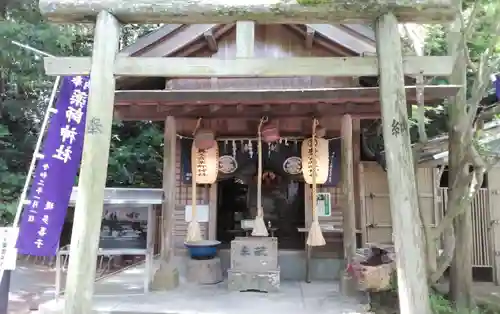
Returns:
point(390, 65)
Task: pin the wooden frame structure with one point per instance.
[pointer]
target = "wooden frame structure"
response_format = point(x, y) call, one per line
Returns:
point(389, 64)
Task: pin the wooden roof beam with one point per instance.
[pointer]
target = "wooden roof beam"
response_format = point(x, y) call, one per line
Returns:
point(270, 96)
point(262, 11)
point(309, 37)
point(228, 112)
point(211, 67)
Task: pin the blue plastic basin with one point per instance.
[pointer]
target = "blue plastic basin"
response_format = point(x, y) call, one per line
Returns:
point(204, 249)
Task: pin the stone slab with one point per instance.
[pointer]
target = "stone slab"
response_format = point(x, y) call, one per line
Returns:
point(253, 281)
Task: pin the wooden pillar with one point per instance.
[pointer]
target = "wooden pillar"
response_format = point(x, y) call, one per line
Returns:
point(245, 39)
point(356, 156)
point(349, 208)
point(92, 180)
point(407, 232)
point(167, 275)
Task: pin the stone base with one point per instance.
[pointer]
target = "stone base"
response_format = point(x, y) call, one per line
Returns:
point(165, 278)
point(205, 272)
point(253, 281)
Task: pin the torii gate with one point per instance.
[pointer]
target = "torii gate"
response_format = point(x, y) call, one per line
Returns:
point(105, 64)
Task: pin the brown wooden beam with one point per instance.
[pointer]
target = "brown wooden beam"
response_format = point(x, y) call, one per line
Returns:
point(158, 112)
point(250, 67)
point(262, 11)
point(433, 93)
point(150, 115)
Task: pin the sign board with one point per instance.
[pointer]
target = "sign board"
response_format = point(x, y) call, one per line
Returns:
point(323, 204)
point(124, 227)
point(201, 213)
point(8, 254)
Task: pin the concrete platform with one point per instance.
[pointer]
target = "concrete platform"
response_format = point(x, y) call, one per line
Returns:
point(120, 294)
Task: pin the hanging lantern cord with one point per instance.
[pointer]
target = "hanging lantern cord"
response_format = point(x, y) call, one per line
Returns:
point(194, 232)
point(315, 236)
point(259, 170)
point(197, 127)
point(259, 228)
point(314, 166)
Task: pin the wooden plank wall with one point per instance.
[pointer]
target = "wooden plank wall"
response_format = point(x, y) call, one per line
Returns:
point(183, 197)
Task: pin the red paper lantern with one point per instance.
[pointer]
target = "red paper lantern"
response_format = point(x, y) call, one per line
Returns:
point(204, 139)
point(270, 133)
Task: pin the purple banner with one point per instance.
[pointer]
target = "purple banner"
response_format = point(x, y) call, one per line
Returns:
point(497, 86)
point(48, 199)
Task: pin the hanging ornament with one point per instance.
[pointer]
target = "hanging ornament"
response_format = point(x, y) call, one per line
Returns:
point(233, 146)
point(250, 149)
point(268, 150)
point(320, 150)
point(270, 132)
point(205, 164)
point(204, 139)
point(225, 147)
point(315, 235)
point(320, 132)
point(286, 142)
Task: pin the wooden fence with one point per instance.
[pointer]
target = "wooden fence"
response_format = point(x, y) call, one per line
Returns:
point(482, 242)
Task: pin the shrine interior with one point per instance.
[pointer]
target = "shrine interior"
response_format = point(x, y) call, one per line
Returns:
point(282, 200)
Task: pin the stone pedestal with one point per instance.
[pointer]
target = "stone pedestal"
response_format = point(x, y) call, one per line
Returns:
point(254, 264)
point(165, 278)
point(205, 272)
point(253, 281)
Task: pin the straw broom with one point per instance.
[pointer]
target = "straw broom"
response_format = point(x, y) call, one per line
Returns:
point(315, 236)
point(194, 231)
point(259, 227)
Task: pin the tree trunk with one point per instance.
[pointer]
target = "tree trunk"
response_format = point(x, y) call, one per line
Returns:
point(459, 179)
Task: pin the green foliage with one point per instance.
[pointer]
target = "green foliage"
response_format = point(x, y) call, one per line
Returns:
point(135, 157)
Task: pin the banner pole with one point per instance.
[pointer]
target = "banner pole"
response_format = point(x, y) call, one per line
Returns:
point(36, 155)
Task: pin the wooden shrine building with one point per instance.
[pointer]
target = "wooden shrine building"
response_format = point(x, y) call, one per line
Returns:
point(263, 59)
point(234, 117)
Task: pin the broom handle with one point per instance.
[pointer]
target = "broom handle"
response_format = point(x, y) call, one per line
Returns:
point(194, 216)
point(314, 163)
